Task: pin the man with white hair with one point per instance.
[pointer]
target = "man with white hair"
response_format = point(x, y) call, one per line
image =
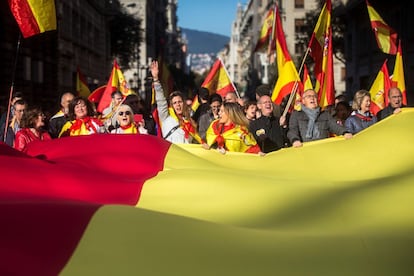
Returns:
point(311, 123)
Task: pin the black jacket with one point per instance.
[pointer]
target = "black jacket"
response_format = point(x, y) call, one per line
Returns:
point(268, 133)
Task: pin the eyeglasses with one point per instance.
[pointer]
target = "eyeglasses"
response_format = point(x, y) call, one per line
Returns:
point(310, 97)
point(121, 113)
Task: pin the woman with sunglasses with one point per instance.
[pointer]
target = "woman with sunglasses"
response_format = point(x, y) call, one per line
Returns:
point(177, 126)
point(125, 122)
point(31, 130)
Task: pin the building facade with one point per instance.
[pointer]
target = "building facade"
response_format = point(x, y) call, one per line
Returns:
point(363, 57)
point(161, 38)
point(46, 64)
point(248, 68)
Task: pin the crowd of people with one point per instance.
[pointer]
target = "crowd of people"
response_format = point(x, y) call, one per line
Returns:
point(223, 122)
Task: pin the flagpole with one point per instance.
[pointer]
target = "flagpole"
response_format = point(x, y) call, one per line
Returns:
point(12, 87)
point(232, 84)
point(295, 86)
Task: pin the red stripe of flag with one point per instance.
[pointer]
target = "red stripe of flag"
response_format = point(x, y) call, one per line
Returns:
point(24, 17)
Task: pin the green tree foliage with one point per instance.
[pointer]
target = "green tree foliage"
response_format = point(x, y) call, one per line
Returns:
point(125, 37)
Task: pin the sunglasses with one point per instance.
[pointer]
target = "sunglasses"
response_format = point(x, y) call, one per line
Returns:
point(121, 113)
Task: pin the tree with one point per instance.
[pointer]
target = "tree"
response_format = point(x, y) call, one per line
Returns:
point(125, 37)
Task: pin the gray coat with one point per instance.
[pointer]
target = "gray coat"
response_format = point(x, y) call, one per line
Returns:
point(298, 125)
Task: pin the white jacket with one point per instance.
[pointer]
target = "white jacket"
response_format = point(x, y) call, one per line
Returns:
point(167, 122)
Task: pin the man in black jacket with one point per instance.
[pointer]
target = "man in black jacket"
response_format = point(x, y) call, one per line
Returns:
point(267, 129)
point(394, 105)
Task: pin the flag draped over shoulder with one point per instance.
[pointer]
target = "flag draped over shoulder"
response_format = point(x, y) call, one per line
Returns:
point(116, 82)
point(288, 78)
point(266, 31)
point(398, 79)
point(320, 46)
point(34, 16)
point(385, 36)
point(379, 89)
point(217, 80)
point(127, 209)
point(81, 84)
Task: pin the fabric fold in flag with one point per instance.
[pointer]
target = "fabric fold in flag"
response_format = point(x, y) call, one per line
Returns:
point(81, 84)
point(217, 80)
point(266, 32)
point(398, 79)
point(385, 36)
point(80, 207)
point(320, 46)
point(116, 82)
point(379, 89)
point(34, 16)
point(288, 80)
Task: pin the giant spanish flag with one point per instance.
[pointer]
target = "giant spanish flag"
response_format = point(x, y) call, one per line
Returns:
point(385, 36)
point(398, 79)
point(288, 78)
point(320, 46)
point(116, 82)
point(217, 80)
point(379, 89)
point(34, 16)
point(148, 207)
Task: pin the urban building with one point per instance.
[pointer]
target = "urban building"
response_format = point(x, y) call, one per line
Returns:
point(46, 64)
point(161, 39)
point(363, 57)
point(248, 68)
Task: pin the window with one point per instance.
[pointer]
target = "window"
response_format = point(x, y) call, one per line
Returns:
point(343, 73)
point(299, 4)
point(300, 25)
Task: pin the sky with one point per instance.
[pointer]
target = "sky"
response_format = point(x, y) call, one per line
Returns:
point(214, 16)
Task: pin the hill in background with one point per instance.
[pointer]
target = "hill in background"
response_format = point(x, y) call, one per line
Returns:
point(200, 42)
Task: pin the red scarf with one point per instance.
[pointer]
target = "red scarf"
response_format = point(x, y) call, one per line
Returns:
point(363, 117)
point(219, 129)
point(88, 124)
point(186, 126)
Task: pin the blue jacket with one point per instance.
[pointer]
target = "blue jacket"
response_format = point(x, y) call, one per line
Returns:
point(357, 121)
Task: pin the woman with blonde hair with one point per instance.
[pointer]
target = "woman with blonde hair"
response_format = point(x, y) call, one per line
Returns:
point(126, 123)
point(230, 132)
point(361, 117)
